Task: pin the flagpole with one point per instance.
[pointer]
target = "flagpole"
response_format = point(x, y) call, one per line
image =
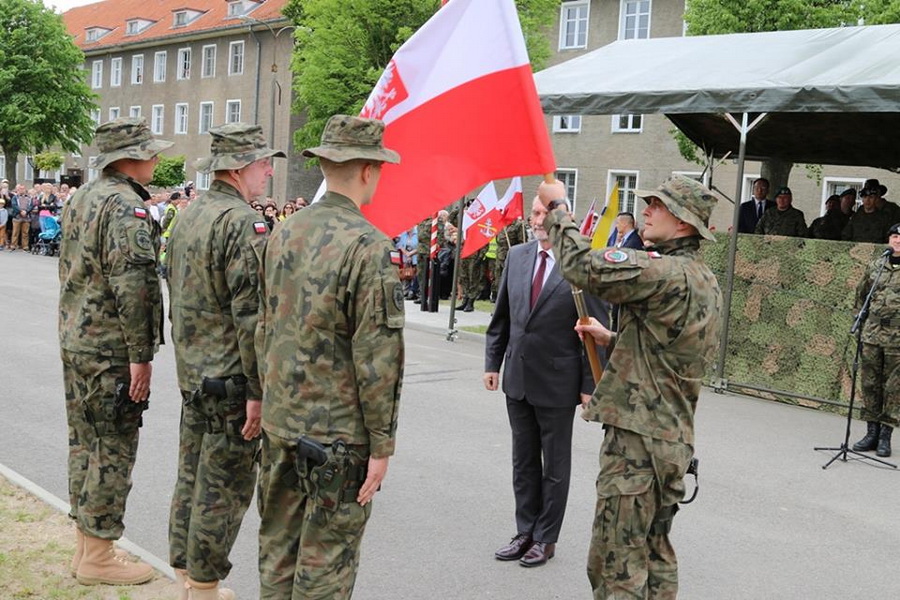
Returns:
point(452, 333)
point(583, 319)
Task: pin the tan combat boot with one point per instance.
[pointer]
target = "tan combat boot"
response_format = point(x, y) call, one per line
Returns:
point(79, 552)
point(208, 591)
point(99, 564)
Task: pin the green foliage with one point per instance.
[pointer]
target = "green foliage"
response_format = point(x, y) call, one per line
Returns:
point(48, 161)
point(343, 46)
point(709, 17)
point(688, 150)
point(814, 172)
point(169, 171)
point(46, 100)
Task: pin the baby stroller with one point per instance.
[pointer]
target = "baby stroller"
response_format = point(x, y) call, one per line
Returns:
point(49, 237)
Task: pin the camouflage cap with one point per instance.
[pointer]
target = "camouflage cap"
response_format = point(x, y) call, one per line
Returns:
point(687, 199)
point(346, 138)
point(125, 138)
point(236, 145)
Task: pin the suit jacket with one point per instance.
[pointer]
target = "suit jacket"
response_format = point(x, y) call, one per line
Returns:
point(632, 240)
point(748, 217)
point(544, 359)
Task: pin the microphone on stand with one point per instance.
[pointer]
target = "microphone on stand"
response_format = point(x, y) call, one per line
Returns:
point(887, 252)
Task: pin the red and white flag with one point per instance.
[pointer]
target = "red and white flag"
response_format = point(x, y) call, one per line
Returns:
point(462, 78)
point(590, 220)
point(487, 216)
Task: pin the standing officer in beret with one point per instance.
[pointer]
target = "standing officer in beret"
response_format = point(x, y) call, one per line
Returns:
point(669, 317)
point(110, 324)
point(331, 356)
point(214, 258)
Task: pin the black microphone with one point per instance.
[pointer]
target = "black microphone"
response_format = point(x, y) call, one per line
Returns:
point(887, 252)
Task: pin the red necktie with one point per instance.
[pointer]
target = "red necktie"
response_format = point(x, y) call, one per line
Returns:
point(538, 281)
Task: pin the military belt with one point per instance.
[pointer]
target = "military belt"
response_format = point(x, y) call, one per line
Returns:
point(890, 322)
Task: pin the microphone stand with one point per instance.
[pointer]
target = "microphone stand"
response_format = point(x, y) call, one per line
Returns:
point(844, 449)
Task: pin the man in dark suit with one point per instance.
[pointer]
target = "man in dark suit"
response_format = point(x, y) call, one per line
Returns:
point(752, 210)
point(545, 377)
point(625, 235)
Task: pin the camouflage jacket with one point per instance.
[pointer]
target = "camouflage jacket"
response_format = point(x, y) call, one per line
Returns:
point(110, 303)
point(330, 330)
point(828, 226)
point(423, 232)
point(782, 222)
point(867, 227)
point(883, 324)
point(669, 320)
point(214, 256)
point(511, 235)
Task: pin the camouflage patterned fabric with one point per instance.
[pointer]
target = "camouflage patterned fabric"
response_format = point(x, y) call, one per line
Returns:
point(236, 145)
point(471, 274)
point(110, 315)
point(214, 257)
point(511, 235)
point(788, 222)
point(330, 336)
point(346, 137)
point(126, 138)
point(669, 322)
point(867, 227)
point(828, 226)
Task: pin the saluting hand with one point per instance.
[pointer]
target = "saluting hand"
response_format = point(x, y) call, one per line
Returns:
point(377, 471)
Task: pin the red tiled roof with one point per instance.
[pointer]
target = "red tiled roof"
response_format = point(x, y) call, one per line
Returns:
point(113, 14)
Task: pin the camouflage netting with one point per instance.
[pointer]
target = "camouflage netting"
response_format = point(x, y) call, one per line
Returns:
point(791, 313)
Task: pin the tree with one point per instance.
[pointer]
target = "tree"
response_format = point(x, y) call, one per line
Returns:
point(342, 47)
point(48, 161)
point(46, 100)
point(169, 171)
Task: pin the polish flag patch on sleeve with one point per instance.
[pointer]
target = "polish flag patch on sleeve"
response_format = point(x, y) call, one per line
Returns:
point(260, 227)
point(140, 212)
point(395, 257)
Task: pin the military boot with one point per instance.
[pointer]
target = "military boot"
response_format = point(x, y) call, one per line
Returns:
point(79, 552)
point(99, 564)
point(469, 305)
point(207, 591)
point(884, 441)
point(870, 441)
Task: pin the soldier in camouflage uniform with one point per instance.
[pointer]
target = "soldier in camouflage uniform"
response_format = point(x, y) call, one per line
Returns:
point(214, 255)
point(471, 278)
point(880, 361)
point(511, 235)
point(868, 224)
point(670, 306)
point(330, 337)
point(110, 318)
point(784, 219)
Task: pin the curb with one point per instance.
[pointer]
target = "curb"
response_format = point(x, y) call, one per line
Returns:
point(442, 331)
point(63, 507)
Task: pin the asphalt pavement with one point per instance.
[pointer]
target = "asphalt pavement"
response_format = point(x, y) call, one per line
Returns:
point(769, 522)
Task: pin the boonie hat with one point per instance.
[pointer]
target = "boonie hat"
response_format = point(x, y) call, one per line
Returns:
point(346, 138)
point(687, 199)
point(873, 186)
point(236, 145)
point(784, 190)
point(127, 137)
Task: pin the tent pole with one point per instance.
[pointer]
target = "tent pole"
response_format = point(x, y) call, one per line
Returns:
point(720, 384)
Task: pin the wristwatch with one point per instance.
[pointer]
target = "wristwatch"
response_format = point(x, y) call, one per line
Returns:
point(553, 204)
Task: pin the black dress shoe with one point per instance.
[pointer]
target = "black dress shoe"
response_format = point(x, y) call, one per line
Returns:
point(538, 554)
point(515, 549)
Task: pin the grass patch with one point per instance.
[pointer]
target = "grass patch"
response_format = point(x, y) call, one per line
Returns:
point(474, 328)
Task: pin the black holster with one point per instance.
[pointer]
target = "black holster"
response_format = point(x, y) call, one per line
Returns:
point(223, 403)
point(117, 413)
point(330, 474)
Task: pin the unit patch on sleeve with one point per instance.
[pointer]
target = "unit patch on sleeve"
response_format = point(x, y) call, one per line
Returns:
point(615, 256)
point(140, 212)
point(260, 227)
point(395, 258)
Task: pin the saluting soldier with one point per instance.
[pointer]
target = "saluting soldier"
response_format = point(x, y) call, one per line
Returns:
point(214, 255)
point(669, 313)
point(331, 356)
point(110, 318)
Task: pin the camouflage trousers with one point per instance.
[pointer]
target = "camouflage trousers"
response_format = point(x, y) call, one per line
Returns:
point(216, 475)
point(101, 455)
point(305, 551)
point(638, 489)
point(880, 384)
point(471, 277)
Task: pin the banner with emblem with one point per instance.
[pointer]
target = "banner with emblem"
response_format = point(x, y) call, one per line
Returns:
point(487, 216)
point(464, 77)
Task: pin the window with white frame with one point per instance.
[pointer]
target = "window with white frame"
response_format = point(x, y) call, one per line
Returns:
point(236, 58)
point(701, 176)
point(635, 20)
point(573, 24)
point(114, 112)
point(29, 170)
point(232, 111)
point(157, 113)
point(567, 123)
point(137, 69)
point(627, 123)
point(134, 112)
point(569, 178)
point(236, 8)
point(95, 33)
point(184, 64)
point(132, 27)
point(837, 185)
point(747, 186)
point(627, 182)
point(208, 66)
point(95, 116)
point(180, 18)
point(202, 180)
point(97, 74)
point(115, 72)
point(159, 67)
point(181, 117)
point(206, 116)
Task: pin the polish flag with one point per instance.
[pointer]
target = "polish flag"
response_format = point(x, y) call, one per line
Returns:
point(590, 220)
point(487, 216)
point(462, 78)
